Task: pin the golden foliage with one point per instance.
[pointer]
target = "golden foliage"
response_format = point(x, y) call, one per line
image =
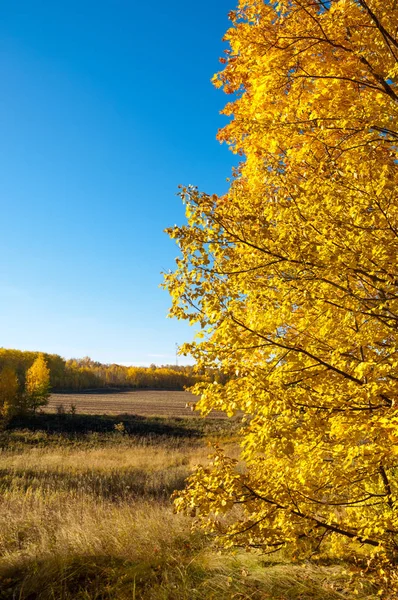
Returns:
point(37, 387)
point(9, 389)
point(292, 277)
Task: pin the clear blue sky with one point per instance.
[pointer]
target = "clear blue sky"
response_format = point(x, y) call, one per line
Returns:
point(105, 108)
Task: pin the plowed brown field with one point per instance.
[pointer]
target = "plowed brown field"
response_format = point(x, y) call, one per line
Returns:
point(141, 402)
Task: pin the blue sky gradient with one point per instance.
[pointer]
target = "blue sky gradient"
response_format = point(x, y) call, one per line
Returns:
point(106, 108)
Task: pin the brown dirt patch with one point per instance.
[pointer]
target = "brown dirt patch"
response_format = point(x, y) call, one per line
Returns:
point(147, 403)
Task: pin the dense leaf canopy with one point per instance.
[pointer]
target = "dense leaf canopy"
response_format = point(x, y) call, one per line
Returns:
point(292, 276)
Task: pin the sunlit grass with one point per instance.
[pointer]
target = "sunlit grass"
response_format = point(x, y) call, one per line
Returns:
point(91, 518)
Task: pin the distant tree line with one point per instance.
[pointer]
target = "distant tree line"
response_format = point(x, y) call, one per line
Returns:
point(84, 373)
point(26, 378)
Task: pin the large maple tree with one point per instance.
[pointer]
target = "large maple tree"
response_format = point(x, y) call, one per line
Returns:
point(293, 278)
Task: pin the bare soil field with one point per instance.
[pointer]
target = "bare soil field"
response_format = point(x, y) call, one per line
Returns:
point(146, 403)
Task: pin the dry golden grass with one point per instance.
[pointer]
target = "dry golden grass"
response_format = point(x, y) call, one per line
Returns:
point(91, 519)
point(120, 458)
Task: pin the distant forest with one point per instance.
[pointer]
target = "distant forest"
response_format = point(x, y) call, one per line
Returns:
point(80, 374)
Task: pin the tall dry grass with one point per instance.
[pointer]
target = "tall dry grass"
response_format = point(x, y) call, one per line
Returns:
point(90, 518)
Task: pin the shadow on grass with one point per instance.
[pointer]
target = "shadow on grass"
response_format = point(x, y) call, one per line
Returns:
point(76, 577)
point(102, 577)
point(107, 577)
point(126, 484)
point(132, 424)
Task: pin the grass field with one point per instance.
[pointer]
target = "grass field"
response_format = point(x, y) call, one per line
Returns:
point(88, 516)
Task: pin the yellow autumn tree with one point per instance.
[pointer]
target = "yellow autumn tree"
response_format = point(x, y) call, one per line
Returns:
point(292, 276)
point(37, 386)
point(9, 393)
